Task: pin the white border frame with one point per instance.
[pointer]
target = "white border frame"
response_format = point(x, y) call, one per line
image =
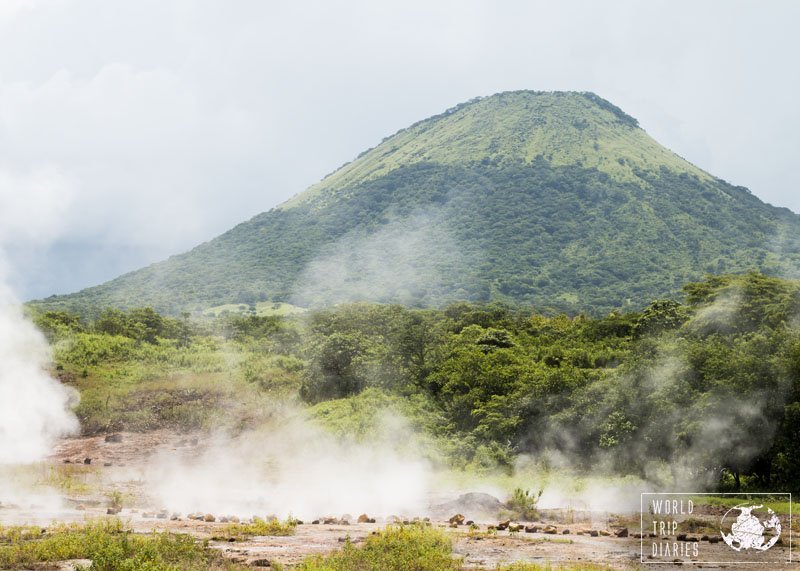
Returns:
point(654, 562)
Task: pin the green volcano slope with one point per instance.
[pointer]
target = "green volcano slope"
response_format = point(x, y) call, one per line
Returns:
point(553, 200)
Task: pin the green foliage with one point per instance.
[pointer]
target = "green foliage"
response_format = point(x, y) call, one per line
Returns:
point(401, 548)
point(258, 527)
point(523, 503)
point(708, 389)
point(109, 545)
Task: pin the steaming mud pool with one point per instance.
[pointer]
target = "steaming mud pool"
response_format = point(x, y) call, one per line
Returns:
point(88, 470)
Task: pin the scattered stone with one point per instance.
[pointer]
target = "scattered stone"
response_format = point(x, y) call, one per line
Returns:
point(175, 516)
point(704, 538)
point(209, 518)
point(344, 522)
point(605, 533)
point(260, 563)
point(235, 519)
point(148, 515)
point(195, 516)
point(477, 504)
point(363, 518)
point(713, 539)
point(514, 528)
point(315, 522)
point(67, 461)
point(531, 529)
point(112, 511)
point(503, 525)
point(622, 532)
point(457, 519)
point(87, 461)
point(550, 529)
point(681, 537)
point(330, 521)
point(223, 519)
point(565, 532)
point(163, 514)
point(114, 438)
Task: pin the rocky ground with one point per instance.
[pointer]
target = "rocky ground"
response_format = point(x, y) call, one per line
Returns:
point(480, 537)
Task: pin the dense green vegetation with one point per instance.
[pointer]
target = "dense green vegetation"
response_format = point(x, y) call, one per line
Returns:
point(557, 201)
point(701, 392)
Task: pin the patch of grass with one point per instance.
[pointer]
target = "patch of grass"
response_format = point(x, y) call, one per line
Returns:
point(110, 546)
point(777, 502)
point(259, 527)
point(522, 504)
point(71, 479)
point(393, 549)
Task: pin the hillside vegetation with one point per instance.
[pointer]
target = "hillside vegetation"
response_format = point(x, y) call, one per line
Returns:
point(705, 392)
point(555, 201)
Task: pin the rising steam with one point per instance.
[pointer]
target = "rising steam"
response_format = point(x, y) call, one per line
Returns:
point(34, 408)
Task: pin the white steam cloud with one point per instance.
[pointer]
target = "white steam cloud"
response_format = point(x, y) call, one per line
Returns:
point(293, 467)
point(34, 408)
point(405, 259)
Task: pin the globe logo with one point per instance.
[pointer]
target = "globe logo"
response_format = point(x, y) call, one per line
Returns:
point(752, 528)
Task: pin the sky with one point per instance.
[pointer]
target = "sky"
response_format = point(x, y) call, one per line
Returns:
point(134, 130)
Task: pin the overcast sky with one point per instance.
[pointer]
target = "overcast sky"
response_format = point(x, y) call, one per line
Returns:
point(130, 131)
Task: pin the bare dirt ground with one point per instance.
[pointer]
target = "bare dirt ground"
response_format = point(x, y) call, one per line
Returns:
point(122, 460)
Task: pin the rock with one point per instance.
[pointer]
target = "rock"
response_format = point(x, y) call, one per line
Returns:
point(87, 461)
point(531, 529)
point(315, 522)
point(107, 464)
point(457, 519)
point(235, 519)
point(565, 532)
point(112, 511)
point(622, 532)
point(514, 528)
point(175, 516)
point(163, 514)
point(67, 461)
point(605, 533)
point(503, 525)
point(704, 538)
point(478, 505)
point(681, 537)
point(550, 529)
point(223, 519)
point(260, 563)
point(114, 438)
point(209, 518)
point(148, 515)
point(344, 522)
point(363, 518)
point(330, 521)
point(195, 516)
point(713, 539)
point(590, 532)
